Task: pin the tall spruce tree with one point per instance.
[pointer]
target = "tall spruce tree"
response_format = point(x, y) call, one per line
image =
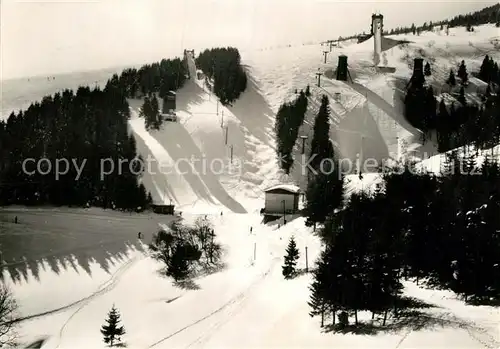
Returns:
point(146, 112)
point(291, 257)
point(451, 78)
point(289, 118)
point(324, 194)
point(155, 112)
point(485, 72)
point(427, 69)
point(112, 332)
point(461, 96)
point(462, 73)
point(321, 147)
point(443, 125)
point(319, 299)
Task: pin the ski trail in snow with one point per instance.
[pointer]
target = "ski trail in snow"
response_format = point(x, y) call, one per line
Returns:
point(104, 288)
point(235, 300)
point(475, 332)
point(238, 307)
point(182, 192)
point(382, 104)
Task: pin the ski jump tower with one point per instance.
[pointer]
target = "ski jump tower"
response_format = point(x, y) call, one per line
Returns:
point(185, 60)
point(377, 30)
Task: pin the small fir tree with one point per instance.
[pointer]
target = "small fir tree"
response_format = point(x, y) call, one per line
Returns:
point(308, 91)
point(462, 73)
point(292, 255)
point(111, 331)
point(451, 79)
point(317, 302)
point(427, 69)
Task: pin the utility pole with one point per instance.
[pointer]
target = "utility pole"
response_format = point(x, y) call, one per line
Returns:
point(231, 153)
point(222, 118)
point(360, 155)
point(397, 149)
point(217, 107)
point(284, 212)
point(307, 266)
point(254, 251)
point(227, 130)
point(326, 53)
point(307, 173)
point(319, 78)
point(165, 195)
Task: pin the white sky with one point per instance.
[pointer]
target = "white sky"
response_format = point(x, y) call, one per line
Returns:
point(50, 37)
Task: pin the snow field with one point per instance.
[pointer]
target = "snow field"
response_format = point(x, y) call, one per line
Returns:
point(249, 305)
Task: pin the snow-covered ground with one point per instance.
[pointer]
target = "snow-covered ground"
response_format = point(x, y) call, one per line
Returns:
point(249, 304)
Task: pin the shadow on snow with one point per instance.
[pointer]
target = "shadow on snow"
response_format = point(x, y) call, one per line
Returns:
point(61, 239)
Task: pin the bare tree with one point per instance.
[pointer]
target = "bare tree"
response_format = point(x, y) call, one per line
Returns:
point(8, 309)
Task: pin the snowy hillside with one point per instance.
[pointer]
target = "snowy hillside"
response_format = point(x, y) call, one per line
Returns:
point(249, 304)
point(368, 120)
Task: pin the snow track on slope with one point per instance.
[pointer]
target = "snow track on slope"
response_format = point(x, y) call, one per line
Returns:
point(238, 305)
point(103, 288)
point(235, 301)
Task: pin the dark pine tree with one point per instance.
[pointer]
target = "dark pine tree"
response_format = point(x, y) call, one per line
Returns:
point(324, 194)
point(308, 91)
point(462, 73)
point(486, 70)
point(461, 96)
point(146, 112)
point(427, 69)
point(443, 126)
point(112, 332)
point(321, 147)
point(177, 265)
point(289, 118)
point(155, 112)
point(319, 299)
point(223, 66)
point(451, 79)
point(291, 257)
point(84, 125)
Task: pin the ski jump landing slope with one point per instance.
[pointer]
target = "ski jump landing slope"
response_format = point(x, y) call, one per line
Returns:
point(217, 157)
point(183, 170)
